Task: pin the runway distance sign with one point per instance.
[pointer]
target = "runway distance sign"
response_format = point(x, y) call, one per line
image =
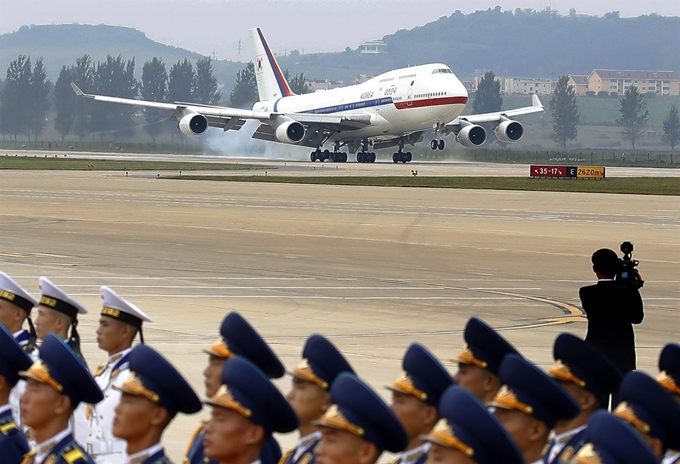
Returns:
point(548, 171)
point(590, 172)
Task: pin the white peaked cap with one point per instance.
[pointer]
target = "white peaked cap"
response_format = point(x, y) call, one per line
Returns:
point(55, 298)
point(118, 307)
point(15, 293)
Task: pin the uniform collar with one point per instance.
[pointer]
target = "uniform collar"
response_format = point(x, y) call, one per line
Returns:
point(44, 448)
point(304, 443)
point(118, 356)
point(4, 408)
point(562, 438)
point(413, 455)
point(144, 454)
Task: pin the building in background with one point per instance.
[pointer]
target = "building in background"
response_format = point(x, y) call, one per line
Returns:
point(617, 81)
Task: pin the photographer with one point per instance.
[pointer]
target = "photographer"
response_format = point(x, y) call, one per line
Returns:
point(612, 306)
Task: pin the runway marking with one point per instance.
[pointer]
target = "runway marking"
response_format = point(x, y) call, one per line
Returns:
point(36, 255)
point(565, 307)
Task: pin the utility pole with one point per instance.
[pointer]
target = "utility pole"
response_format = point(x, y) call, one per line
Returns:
point(239, 47)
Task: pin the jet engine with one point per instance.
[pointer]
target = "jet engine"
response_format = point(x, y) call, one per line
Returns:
point(193, 124)
point(290, 132)
point(509, 131)
point(471, 136)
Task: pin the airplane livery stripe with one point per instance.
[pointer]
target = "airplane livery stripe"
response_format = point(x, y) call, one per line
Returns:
point(283, 85)
point(403, 105)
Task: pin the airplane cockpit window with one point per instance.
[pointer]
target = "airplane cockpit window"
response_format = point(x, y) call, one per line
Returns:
point(442, 71)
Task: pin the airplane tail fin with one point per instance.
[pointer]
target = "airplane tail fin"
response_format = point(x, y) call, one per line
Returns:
point(270, 81)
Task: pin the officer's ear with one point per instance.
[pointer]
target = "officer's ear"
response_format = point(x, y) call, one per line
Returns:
point(4, 384)
point(492, 383)
point(160, 417)
point(326, 403)
point(63, 405)
point(538, 431)
point(254, 434)
point(368, 453)
point(656, 445)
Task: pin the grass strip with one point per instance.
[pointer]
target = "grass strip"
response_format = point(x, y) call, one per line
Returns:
point(81, 164)
point(620, 185)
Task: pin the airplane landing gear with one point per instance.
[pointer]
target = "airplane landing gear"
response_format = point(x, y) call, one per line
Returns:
point(363, 156)
point(326, 155)
point(437, 143)
point(400, 156)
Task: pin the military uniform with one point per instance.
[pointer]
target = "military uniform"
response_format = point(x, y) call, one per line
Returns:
point(425, 379)
point(581, 364)
point(238, 337)
point(99, 438)
point(669, 378)
point(60, 368)
point(609, 440)
point(649, 409)
point(152, 377)
point(467, 426)
point(247, 391)
point(15, 294)
point(13, 444)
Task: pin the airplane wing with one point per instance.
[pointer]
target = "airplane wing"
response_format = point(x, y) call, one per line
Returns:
point(536, 107)
point(233, 119)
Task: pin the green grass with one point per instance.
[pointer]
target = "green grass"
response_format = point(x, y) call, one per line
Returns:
point(79, 164)
point(638, 186)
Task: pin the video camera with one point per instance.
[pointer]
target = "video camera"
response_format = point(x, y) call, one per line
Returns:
point(627, 275)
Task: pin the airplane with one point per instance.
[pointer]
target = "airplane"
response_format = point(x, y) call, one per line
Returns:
point(392, 109)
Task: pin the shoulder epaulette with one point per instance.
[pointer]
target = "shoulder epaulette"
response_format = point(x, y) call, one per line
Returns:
point(194, 435)
point(286, 455)
point(6, 427)
point(74, 454)
point(306, 458)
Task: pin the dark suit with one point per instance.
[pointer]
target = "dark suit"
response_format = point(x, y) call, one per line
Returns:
point(611, 311)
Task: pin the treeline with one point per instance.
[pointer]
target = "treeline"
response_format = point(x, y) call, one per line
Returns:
point(25, 92)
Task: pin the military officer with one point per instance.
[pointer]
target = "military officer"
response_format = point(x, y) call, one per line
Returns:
point(651, 411)
point(358, 426)
point(529, 404)
point(609, 440)
point(15, 307)
point(13, 359)
point(669, 378)
point(468, 433)
point(247, 409)
point(590, 379)
point(480, 360)
point(310, 394)
point(415, 398)
point(55, 385)
point(237, 337)
point(119, 323)
point(152, 395)
point(56, 313)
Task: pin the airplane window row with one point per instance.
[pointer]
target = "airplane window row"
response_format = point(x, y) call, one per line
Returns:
point(430, 95)
point(442, 71)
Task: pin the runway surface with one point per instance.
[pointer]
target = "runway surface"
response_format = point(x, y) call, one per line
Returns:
point(374, 269)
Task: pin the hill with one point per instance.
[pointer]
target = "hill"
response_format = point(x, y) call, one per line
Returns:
point(60, 45)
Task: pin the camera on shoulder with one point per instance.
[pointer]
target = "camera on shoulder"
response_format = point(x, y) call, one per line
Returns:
point(627, 275)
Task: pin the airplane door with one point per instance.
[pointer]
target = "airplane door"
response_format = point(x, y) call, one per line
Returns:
point(409, 97)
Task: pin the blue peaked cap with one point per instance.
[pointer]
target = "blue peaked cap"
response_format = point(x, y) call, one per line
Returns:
point(62, 369)
point(649, 408)
point(13, 359)
point(240, 338)
point(580, 363)
point(468, 426)
point(154, 377)
point(528, 389)
point(424, 376)
point(247, 390)
point(610, 440)
point(321, 362)
point(358, 410)
point(669, 365)
point(484, 346)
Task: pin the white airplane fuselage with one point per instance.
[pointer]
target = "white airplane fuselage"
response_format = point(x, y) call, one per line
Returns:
point(399, 102)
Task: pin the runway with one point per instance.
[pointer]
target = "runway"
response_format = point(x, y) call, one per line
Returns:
point(374, 269)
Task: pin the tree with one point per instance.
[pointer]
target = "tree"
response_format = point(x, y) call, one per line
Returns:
point(488, 97)
point(206, 89)
point(64, 102)
point(14, 101)
point(564, 109)
point(154, 88)
point(671, 128)
point(37, 98)
point(244, 93)
point(297, 83)
point(83, 77)
point(634, 114)
point(180, 81)
point(115, 76)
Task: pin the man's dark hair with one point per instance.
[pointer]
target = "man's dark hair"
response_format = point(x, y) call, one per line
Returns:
point(605, 261)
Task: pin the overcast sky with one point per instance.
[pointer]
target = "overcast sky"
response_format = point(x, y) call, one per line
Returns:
point(207, 26)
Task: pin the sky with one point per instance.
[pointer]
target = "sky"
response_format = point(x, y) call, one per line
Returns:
point(216, 26)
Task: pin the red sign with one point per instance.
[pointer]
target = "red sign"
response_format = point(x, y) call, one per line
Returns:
point(548, 171)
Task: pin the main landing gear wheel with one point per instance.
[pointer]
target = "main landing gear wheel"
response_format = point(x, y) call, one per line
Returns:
point(437, 144)
point(365, 157)
point(339, 157)
point(401, 157)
